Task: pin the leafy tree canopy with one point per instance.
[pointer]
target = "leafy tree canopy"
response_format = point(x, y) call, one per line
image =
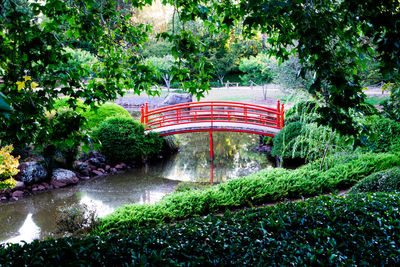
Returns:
point(331, 39)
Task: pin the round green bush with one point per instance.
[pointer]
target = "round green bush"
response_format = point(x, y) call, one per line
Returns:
point(283, 141)
point(95, 116)
point(384, 181)
point(123, 139)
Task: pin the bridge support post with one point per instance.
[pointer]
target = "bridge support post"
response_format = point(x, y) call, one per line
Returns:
point(211, 147)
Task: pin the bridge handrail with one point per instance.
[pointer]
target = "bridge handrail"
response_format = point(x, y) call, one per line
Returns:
point(185, 113)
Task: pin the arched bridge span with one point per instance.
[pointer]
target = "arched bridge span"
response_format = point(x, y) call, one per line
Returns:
point(214, 116)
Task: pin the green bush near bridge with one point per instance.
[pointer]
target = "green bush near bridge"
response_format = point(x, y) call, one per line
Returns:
point(359, 229)
point(266, 186)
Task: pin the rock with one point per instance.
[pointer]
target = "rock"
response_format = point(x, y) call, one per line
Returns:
point(19, 185)
point(120, 166)
point(41, 187)
point(17, 194)
point(85, 172)
point(96, 162)
point(56, 184)
point(173, 99)
point(31, 172)
point(80, 165)
point(62, 176)
point(96, 172)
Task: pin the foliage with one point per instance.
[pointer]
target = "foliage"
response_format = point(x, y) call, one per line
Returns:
point(381, 133)
point(305, 111)
point(384, 181)
point(8, 163)
point(5, 108)
point(123, 139)
point(266, 186)
point(287, 76)
point(33, 37)
point(80, 61)
point(284, 139)
point(163, 67)
point(74, 218)
point(7, 184)
point(331, 39)
point(391, 107)
point(188, 186)
point(328, 230)
point(64, 134)
point(255, 70)
point(96, 115)
point(157, 49)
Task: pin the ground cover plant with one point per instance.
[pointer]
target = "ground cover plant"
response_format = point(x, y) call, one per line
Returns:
point(266, 186)
point(356, 229)
point(384, 181)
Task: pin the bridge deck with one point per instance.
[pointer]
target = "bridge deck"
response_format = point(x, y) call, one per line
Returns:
point(216, 126)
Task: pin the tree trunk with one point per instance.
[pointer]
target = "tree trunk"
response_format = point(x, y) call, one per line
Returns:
point(264, 88)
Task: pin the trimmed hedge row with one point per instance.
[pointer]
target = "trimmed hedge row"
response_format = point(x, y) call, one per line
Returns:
point(266, 186)
point(360, 229)
point(384, 181)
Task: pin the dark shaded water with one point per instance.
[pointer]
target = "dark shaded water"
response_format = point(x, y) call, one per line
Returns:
point(34, 217)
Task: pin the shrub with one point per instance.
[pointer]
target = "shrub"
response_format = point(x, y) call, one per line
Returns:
point(382, 133)
point(8, 163)
point(65, 133)
point(72, 219)
point(266, 186)
point(123, 139)
point(354, 230)
point(384, 181)
point(8, 168)
point(303, 111)
point(95, 116)
point(284, 139)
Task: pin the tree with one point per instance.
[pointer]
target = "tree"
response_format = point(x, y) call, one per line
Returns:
point(329, 37)
point(33, 37)
point(256, 70)
point(163, 67)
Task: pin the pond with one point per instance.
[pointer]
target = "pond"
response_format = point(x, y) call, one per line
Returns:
point(34, 217)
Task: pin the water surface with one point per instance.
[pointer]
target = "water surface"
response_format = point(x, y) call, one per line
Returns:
point(34, 216)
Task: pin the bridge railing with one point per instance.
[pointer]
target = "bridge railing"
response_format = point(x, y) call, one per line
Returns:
point(213, 111)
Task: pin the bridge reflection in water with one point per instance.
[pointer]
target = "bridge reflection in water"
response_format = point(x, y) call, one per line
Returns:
point(214, 116)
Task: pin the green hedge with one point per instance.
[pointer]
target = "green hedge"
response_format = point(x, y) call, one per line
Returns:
point(123, 139)
point(384, 181)
point(360, 229)
point(266, 186)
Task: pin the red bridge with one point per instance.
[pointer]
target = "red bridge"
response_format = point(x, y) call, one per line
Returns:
point(214, 116)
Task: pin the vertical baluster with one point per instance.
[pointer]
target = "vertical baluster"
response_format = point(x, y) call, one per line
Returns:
point(146, 111)
point(278, 114)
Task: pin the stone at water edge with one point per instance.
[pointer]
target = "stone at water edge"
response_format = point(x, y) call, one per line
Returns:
point(96, 172)
point(17, 194)
point(62, 176)
point(31, 172)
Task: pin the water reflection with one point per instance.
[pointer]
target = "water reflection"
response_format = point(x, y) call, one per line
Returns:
point(34, 217)
point(28, 232)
